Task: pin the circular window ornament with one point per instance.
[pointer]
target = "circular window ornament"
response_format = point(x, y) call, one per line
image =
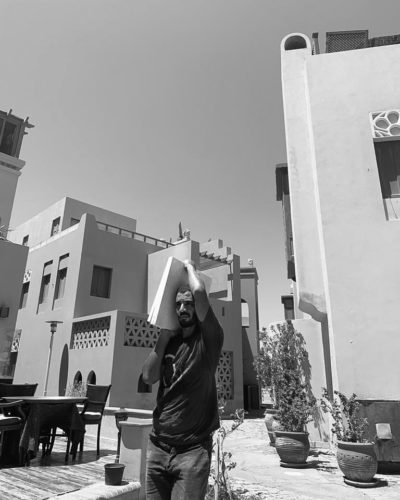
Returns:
point(386, 123)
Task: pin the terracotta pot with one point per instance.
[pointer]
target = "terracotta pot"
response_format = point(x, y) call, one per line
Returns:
point(272, 424)
point(292, 447)
point(113, 473)
point(357, 461)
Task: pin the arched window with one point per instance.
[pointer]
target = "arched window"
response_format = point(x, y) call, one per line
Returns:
point(78, 378)
point(91, 378)
point(142, 386)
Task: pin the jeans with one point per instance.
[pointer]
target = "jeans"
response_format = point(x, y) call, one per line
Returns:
point(177, 473)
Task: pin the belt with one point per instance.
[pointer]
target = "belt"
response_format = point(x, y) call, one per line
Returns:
point(207, 443)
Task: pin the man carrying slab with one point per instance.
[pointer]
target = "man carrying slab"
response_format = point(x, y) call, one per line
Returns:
point(184, 361)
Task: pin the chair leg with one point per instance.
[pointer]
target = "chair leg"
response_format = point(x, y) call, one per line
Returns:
point(68, 447)
point(98, 439)
point(81, 443)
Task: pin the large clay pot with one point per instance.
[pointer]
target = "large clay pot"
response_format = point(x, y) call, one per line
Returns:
point(357, 461)
point(272, 424)
point(293, 448)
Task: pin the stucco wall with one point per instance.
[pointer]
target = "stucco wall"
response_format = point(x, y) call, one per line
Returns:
point(308, 254)
point(250, 342)
point(12, 267)
point(128, 260)
point(39, 227)
point(8, 185)
point(334, 159)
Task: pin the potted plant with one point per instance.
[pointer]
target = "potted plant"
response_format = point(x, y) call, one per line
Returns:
point(355, 454)
point(283, 362)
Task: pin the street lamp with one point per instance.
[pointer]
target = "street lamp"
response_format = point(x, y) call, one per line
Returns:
point(53, 329)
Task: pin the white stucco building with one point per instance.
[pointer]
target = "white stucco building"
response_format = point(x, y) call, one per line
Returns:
point(342, 125)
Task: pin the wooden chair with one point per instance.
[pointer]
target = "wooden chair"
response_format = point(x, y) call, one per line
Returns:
point(12, 418)
point(93, 409)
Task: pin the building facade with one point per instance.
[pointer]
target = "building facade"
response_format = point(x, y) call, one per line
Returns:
point(12, 256)
point(342, 125)
point(89, 268)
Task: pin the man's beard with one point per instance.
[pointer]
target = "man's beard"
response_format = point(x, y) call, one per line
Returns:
point(186, 321)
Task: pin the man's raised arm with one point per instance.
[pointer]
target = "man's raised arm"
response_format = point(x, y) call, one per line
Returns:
point(198, 289)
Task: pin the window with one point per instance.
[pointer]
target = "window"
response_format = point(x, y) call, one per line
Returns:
point(101, 226)
point(61, 278)
point(91, 378)
point(44, 289)
point(388, 159)
point(60, 283)
point(45, 284)
point(101, 282)
point(9, 133)
point(55, 226)
point(74, 221)
point(24, 295)
point(288, 305)
point(25, 240)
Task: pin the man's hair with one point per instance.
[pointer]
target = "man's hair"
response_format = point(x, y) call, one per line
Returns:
point(184, 288)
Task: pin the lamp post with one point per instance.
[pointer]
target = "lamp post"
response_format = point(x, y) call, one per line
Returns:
point(53, 329)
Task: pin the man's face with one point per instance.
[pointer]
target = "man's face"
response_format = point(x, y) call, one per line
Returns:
point(185, 310)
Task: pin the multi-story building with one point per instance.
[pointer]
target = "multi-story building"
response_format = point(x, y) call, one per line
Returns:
point(91, 270)
point(12, 256)
point(342, 124)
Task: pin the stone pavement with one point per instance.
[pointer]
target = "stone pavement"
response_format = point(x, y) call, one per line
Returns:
point(258, 471)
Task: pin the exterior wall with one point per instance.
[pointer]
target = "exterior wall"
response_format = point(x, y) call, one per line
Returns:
point(8, 185)
point(39, 227)
point(128, 260)
point(306, 240)
point(338, 211)
point(250, 343)
point(35, 332)
point(86, 246)
point(12, 265)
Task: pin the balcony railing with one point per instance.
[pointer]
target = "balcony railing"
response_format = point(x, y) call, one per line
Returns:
point(132, 234)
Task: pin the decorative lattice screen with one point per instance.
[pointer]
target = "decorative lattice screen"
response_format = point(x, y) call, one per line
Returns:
point(90, 333)
point(338, 41)
point(225, 375)
point(385, 123)
point(140, 333)
point(15, 341)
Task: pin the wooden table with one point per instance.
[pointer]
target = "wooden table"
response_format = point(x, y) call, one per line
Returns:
point(46, 413)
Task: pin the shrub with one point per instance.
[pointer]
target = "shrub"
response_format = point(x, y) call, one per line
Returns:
point(347, 424)
point(283, 367)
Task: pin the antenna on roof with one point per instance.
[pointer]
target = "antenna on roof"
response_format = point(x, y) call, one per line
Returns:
point(180, 237)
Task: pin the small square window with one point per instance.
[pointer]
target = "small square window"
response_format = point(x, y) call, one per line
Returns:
point(25, 240)
point(101, 282)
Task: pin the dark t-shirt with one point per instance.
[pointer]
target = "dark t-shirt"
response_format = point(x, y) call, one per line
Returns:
point(187, 410)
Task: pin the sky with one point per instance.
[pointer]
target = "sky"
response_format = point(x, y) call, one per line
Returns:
point(165, 111)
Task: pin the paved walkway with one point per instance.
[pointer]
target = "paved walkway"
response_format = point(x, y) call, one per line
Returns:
point(258, 471)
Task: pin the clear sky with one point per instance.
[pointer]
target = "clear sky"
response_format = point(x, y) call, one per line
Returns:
point(166, 111)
